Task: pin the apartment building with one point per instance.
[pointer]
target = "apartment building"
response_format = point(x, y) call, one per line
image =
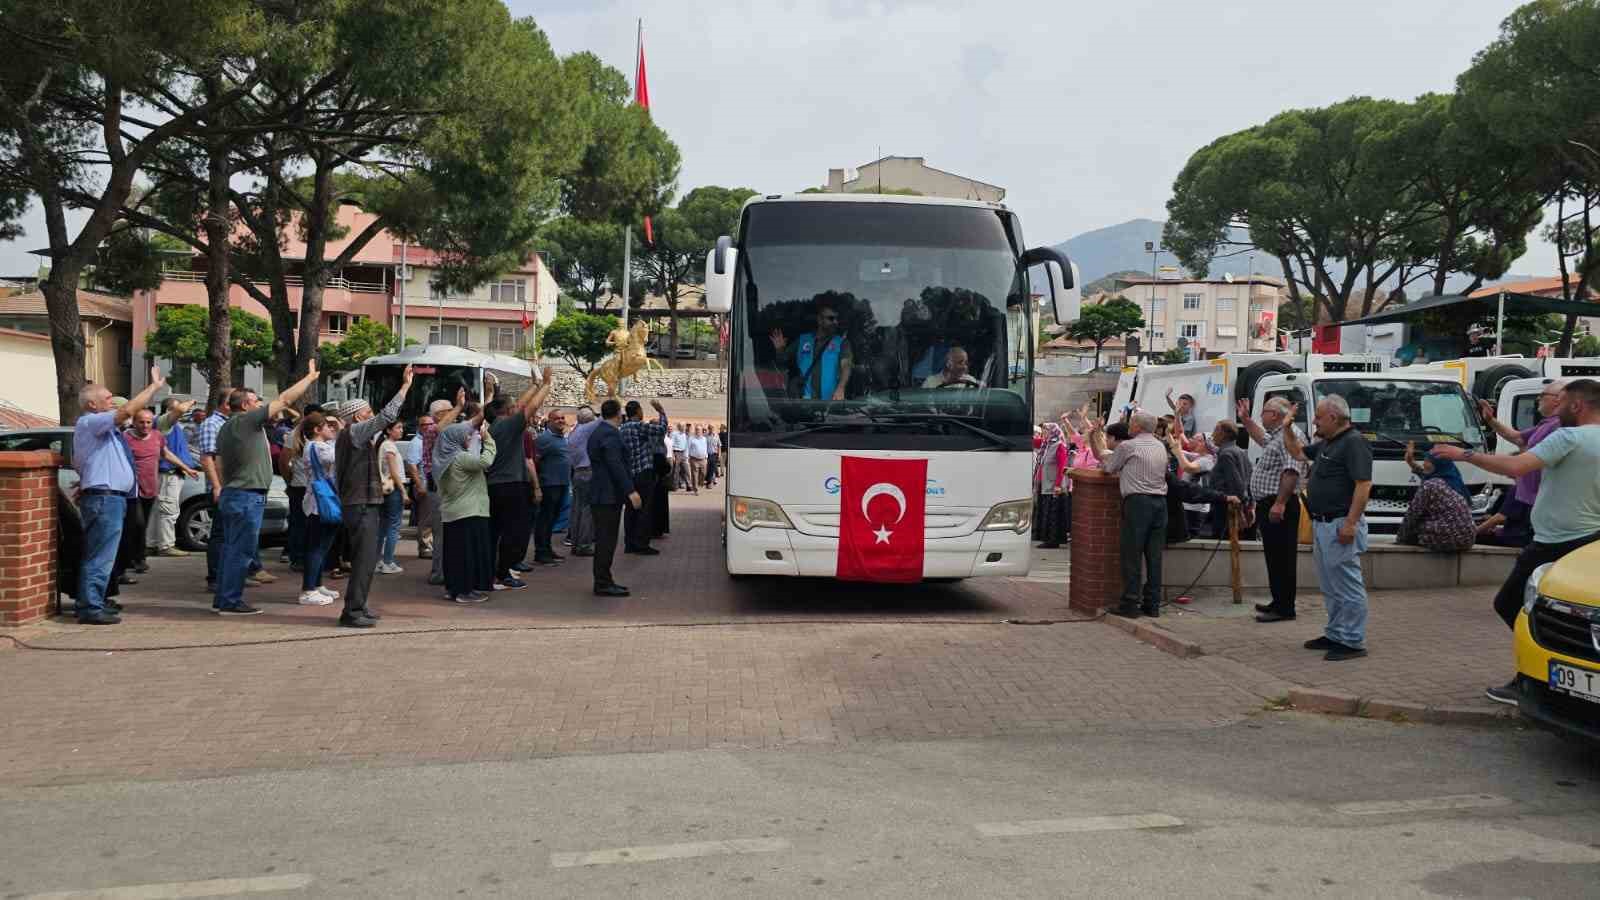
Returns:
point(488, 318)
point(1221, 315)
point(910, 173)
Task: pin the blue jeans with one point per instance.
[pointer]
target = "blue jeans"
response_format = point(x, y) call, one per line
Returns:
point(102, 515)
point(239, 514)
point(219, 540)
point(389, 531)
point(317, 541)
point(1344, 593)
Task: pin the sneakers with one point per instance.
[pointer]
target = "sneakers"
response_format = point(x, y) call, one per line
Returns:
point(1506, 693)
point(385, 568)
point(522, 567)
point(243, 609)
point(261, 577)
point(470, 597)
point(330, 593)
point(1340, 652)
point(99, 618)
point(1320, 643)
point(314, 598)
point(172, 552)
point(511, 583)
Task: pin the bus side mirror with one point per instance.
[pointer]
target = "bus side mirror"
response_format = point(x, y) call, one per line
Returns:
point(721, 264)
point(1066, 296)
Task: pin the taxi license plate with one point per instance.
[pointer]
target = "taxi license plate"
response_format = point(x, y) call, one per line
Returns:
point(1574, 681)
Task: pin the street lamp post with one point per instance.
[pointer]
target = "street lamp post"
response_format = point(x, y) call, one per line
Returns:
point(1150, 324)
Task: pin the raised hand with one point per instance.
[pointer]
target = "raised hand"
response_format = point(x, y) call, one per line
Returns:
point(1242, 407)
point(547, 375)
point(407, 374)
point(311, 369)
point(155, 376)
point(1485, 409)
point(777, 338)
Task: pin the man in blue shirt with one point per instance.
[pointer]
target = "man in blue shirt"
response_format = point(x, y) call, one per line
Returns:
point(105, 482)
point(555, 475)
point(163, 535)
point(640, 439)
point(580, 531)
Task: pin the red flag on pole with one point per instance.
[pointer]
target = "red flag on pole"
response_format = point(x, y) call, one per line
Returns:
point(641, 95)
point(526, 322)
point(881, 519)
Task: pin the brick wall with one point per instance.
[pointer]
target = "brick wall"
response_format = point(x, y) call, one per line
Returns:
point(1096, 561)
point(27, 535)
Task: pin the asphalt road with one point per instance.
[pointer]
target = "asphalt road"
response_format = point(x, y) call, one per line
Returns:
point(1276, 805)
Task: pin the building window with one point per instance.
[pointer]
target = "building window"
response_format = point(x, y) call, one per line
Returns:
point(1158, 310)
point(510, 291)
point(450, 335)
point(338, 323)
point(125, 352)
point(1224, 304)
point(1194, 331)
point(437, 293)
point(1158, 333)
point(504, 339)
point(1191, 301)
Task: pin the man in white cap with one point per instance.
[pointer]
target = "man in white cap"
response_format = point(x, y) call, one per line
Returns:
point(361, 495)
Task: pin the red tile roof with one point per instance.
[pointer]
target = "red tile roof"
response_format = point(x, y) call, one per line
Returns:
point(12, 416)
point(1550, 285)
point(91, 304)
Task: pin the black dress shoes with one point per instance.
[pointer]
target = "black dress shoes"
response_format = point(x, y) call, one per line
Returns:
point(610, 590)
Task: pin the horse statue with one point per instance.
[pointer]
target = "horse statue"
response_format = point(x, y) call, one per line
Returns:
point(630, 357)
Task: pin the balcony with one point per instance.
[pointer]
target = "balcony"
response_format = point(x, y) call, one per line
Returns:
point(341, 294)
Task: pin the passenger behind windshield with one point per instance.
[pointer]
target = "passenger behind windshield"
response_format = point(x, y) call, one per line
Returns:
point(819, 363)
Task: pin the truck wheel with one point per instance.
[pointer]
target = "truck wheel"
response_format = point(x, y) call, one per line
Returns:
point(1245, 386)
point(1492, 379)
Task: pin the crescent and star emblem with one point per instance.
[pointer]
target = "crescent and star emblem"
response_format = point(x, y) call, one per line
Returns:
point(883, 487)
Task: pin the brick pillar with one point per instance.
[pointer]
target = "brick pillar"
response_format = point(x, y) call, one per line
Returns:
point(27, 535)
point(1096, 559)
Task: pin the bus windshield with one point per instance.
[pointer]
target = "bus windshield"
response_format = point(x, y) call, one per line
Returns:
point(1400, 411)
point(428, 383)
point(880, 326)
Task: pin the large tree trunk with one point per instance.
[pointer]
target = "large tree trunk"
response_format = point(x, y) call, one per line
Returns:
point(66, 336)
point(219, 337)
point(672, 335)
point(314, 279)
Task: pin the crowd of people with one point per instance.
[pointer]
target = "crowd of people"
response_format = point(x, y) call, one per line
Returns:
point(486, 480)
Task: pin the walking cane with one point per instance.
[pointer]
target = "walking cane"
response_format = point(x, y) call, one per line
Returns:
point(1233, 551)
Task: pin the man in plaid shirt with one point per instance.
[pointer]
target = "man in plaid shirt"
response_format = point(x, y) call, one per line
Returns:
point(640, 439)
point(206, 444)
point(1273, 482)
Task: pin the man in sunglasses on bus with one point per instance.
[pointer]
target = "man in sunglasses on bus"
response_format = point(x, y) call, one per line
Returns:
point(822, 357)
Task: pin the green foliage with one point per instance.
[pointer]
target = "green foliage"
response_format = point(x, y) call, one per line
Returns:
point(629, 167)
point(181, 336)
point(683, 236)
point(130, 260)
point(584, 256)
point(1173, 357)
point(1400, 191)
point(1586, 345)
point(579, 338)
point(1100, 322)
point(365, 339)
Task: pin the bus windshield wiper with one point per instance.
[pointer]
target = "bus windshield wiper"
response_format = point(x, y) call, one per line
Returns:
point(923, 418)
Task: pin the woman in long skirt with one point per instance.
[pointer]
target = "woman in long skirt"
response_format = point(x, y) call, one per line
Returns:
point(461, 455)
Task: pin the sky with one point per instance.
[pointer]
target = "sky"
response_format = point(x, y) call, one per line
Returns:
point(1084, 112)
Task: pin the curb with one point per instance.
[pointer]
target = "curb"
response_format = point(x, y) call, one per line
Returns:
point(1337, 703)
point(1319, 700)
point(1158, 637)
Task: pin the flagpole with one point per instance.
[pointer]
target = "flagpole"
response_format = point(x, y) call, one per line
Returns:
point(627, 231)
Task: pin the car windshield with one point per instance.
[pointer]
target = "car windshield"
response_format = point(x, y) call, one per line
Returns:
point(1400, 411)
point(428, 383)
point(881, 325)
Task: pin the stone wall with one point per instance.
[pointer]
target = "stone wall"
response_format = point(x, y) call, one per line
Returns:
point(687, 384)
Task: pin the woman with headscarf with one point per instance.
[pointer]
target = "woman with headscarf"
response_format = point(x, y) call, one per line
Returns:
point(461, 455)
point(1439, 516)
point(1053, 488)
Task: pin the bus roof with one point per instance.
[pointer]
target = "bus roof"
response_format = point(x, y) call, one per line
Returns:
point(446, 355)
point(874, 198)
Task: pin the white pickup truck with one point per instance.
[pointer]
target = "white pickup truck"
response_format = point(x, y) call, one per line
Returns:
point(1389, 408)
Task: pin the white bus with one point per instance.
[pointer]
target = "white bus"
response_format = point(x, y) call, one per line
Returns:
point(886, 328)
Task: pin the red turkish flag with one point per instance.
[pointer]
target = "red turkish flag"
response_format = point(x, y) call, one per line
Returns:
point(641, 95)
point(881, 518)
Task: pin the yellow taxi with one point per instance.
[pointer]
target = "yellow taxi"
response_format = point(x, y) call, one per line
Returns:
point(1558, 645)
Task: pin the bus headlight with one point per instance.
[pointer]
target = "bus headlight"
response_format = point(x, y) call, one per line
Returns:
point(1013, 515)
point(1530, 594)
point(749, 512)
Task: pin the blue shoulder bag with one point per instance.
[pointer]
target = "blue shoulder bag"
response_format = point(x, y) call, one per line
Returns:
point(328, 508)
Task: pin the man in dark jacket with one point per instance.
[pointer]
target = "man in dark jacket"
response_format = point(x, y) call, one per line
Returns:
point(359, 480)
point(1230, 476)
point(610, 484)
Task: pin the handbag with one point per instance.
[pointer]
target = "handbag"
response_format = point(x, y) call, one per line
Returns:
point(328, 508)
point(1304, 535)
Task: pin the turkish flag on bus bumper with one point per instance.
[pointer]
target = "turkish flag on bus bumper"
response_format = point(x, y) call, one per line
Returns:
point(881, 516)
